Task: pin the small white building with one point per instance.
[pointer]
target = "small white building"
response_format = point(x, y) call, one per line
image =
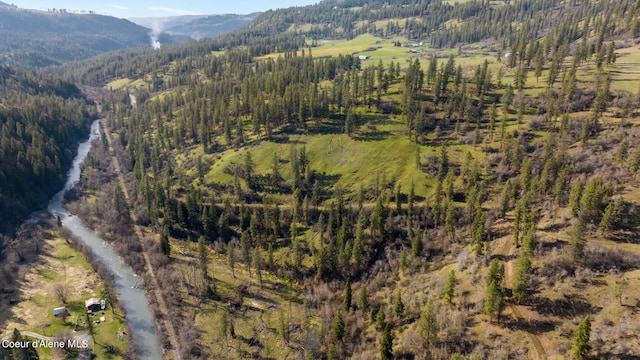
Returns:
point(60, 311)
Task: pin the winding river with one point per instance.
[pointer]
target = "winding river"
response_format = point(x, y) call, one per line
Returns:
point(127, 284)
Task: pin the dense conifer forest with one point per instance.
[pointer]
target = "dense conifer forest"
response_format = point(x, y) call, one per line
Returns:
point(473, 195)
point(42, 119)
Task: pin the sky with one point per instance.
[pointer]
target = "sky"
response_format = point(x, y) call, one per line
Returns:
point(160, 8)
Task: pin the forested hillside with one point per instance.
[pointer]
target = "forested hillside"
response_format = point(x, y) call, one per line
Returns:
point(385, 179)
point(32, 39)
point(42, 120)
point(198, 26)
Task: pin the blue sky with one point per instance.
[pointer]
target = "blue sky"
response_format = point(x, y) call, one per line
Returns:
point(148, 8)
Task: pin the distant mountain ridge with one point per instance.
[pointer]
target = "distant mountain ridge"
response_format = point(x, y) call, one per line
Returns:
point(166, 22)
point(197, 26)
point(33, 38)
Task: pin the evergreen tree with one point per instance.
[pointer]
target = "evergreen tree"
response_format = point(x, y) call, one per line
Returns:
point(449, 222)
point(347, 296)
point(493, 300)
point(575, 196)
point(349, 123)
point(580, 347)
point(338, 328)
point(165, 245)
point(386, 344)
point(403, 259)
point(398, 309)
point(578, 240)
point(428, 325)
point(505, 198)
point(416, 246)
point(381, 318)
point(478, 232)
point(363, 298)
point(596, 193)
point(25, 353)
point(494, 296)
point(613, 215)
point(120, 201)
point(450, 288)
point(520, 282)
point(248, 168)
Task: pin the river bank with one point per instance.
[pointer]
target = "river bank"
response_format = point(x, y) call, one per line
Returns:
point(126, 282)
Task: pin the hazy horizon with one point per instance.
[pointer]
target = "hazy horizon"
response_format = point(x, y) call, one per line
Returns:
point(146, 8)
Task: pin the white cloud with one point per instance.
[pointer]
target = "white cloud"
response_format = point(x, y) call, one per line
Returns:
point(119, 7)
point(173, 11)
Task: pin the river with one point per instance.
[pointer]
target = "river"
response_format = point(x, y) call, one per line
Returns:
point(127, 284)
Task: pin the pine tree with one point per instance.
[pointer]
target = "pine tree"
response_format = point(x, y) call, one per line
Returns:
point(578, 240)
point(28, 352)
point(386, 344)
point(428, 325)
point(581, 335)
point(450, 288)
point(210, 222)
point(505, 198)
point(403, 259)
point(575, 196)
point(248, 169)
point(363, 298)
point(416, 246)
point(613, 215)
point(347, 296)
point(381, 318)
point(349, 123)
point(478, 232)
point(520, 282)
point(165, 245)
point(398, 309)
point(493, 301)
point(338, 327)
point(494, 296)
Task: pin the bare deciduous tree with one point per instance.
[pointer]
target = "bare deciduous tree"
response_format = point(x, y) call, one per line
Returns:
point(61, 292)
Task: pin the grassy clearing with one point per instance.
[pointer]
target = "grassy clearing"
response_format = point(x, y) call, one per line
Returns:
point(62, 265)
point(348, 161)
point(385, 49)
point(625, 72)
point(118, 84)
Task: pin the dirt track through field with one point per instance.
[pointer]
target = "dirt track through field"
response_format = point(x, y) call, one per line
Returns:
point(507, 249)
